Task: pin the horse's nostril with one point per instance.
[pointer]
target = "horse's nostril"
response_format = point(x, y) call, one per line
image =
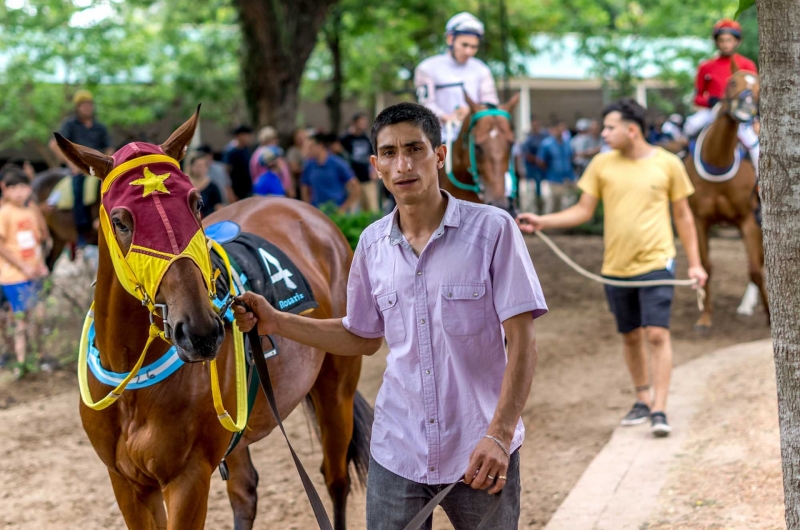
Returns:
point(179, 332)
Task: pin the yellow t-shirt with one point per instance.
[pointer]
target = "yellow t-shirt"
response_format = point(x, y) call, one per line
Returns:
point(20, 233)
point(636, 196)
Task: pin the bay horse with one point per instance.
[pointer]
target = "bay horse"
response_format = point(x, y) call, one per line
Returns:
point(481, 156)
point(60, 222)
point(724, 182)
point(162, 443)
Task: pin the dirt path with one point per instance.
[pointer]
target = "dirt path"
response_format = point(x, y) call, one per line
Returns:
point(52, 478)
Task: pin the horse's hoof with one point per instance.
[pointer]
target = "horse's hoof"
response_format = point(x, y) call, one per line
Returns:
point(703, 329)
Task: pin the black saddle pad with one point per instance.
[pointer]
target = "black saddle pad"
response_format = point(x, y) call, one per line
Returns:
point(266, 270)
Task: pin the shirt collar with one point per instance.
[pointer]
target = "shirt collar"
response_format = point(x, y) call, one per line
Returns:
point(452, 218)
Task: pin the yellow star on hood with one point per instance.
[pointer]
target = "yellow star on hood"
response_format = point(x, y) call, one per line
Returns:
point(151, 182)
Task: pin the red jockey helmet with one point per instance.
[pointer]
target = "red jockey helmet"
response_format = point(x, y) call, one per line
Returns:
point(728, 26)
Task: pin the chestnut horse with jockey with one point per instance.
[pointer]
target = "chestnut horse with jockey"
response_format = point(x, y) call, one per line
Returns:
point(725, 182)
point(162, 443)
point(481, 157)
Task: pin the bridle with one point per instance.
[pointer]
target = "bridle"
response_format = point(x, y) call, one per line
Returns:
point(469, 143)
point(743, 107)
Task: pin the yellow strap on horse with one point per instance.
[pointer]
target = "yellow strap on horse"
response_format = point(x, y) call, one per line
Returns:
point(241, 374)
point(125, 268)
point(83, 367)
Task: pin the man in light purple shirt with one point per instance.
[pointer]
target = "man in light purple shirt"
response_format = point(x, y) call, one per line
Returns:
point(444, 282)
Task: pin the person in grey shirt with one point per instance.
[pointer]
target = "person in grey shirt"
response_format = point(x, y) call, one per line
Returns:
point(585, 144)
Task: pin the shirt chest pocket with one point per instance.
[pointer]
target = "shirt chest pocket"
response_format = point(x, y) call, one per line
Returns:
point(463, 308)
point(394, 328)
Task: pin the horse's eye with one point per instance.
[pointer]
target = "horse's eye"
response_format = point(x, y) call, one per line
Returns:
point(119, 226)
point(200, 205)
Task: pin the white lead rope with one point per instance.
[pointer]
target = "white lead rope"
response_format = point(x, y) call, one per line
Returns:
point(701, 294)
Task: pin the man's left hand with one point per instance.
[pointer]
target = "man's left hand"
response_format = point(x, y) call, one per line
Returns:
point(698, 273)
point(487, 465)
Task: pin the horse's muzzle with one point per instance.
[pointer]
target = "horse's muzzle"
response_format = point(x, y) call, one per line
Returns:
point(198, 343)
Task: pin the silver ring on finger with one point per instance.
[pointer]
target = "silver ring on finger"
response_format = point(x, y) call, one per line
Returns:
point(490, 477)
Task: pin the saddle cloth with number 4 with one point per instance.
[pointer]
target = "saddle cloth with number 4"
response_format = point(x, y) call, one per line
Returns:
point(260, 267)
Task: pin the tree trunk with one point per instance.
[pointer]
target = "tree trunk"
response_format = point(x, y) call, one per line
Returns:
point(779, 30)
point(334, 99)
point(278, 36)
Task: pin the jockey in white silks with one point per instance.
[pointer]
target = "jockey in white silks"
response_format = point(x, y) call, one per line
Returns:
point(712, 78)
point(441, 80)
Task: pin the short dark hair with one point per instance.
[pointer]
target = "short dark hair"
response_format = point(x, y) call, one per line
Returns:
point(417, 115)
point(630, 110)
point(242, 129)
point(13, 175)
point(324, 138)
point(357, 116)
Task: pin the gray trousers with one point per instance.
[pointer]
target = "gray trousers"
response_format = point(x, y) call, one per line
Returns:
point(392, 501)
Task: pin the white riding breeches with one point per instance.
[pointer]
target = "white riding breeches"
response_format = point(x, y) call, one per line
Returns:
point(747, 135)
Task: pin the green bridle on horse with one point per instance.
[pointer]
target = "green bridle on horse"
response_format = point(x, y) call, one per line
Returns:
point(476, 186)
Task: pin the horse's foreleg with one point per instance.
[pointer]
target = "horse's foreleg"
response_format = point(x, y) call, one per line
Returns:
point(754, 244)
point(141, 508)
point(242, 486)
point(332, 395)
point(703, 323)
point(186, 497)
point(55, 252)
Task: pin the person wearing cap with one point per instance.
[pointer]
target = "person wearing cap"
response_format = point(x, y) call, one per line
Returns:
point(268, 139)
point(712, 78)
point(84, 129)
point(269, 183)
point(442, 80)
point(237, 157)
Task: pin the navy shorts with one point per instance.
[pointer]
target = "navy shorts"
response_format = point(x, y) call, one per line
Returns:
point(638, 307)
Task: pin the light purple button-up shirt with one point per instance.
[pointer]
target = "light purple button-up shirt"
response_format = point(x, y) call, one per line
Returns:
point(441, 314)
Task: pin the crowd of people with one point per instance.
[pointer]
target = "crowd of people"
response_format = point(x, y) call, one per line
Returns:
point(319, 168)
point(551, 160)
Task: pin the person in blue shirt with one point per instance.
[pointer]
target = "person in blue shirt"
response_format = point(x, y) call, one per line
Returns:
point(328, 178)
point(555, 159)
point(531, 186)
point(269, 182)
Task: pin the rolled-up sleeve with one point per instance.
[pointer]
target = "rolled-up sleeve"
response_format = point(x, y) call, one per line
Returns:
point(363, 316)
point(515, 286)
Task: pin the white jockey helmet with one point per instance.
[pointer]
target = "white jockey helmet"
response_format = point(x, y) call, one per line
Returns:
point(464, 23)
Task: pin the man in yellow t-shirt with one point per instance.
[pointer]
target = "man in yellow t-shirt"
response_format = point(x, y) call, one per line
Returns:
point(637, 183)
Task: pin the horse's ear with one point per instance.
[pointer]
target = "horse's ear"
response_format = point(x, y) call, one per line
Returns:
point(177, 144)
point(509, 105)
point(473, 107)
point(86, 159)
point(734, 66)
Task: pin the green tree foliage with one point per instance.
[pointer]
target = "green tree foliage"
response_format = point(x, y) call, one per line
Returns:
point(144, 61)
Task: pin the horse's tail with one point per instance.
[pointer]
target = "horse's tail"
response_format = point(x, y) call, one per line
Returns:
point(358, 451)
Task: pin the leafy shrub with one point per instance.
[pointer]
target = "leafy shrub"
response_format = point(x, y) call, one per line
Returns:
point(351, 224)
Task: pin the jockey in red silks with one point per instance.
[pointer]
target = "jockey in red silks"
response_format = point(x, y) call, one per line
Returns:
point(712, 77)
